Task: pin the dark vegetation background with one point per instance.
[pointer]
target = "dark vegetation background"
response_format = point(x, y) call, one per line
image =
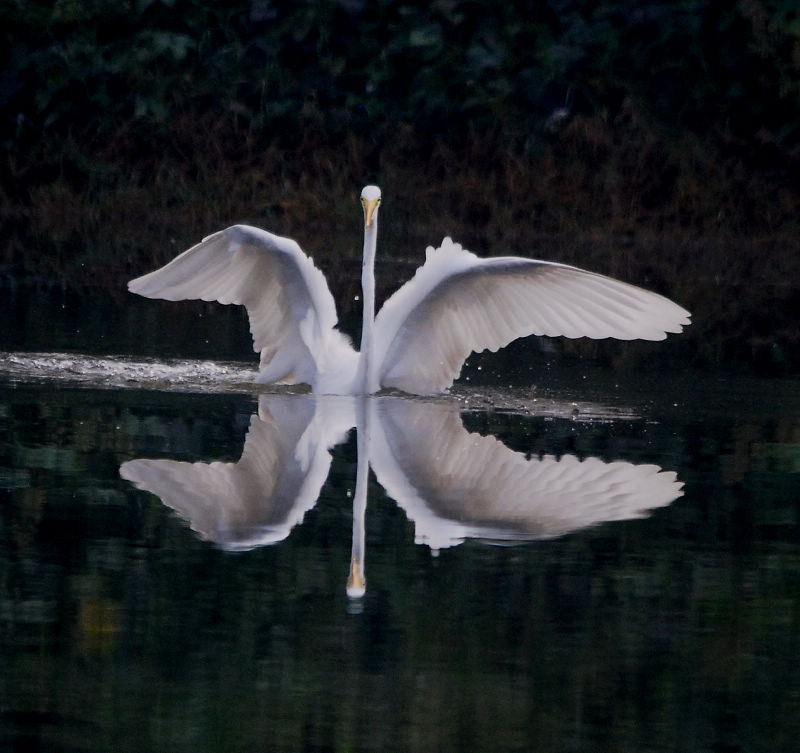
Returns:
point(655, 141)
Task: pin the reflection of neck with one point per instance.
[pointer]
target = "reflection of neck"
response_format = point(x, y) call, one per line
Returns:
point(364, 380)
point(356, 582)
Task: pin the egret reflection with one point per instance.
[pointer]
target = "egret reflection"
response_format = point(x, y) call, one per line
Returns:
point(453, 484)
point(259, 499)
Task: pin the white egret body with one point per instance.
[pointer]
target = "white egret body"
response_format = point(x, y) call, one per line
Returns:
point(455, 304)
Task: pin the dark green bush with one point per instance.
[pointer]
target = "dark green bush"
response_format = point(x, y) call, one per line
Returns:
point(514, 115)
point(443, 67)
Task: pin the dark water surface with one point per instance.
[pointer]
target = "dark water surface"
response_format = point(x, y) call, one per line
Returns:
point(123, 629)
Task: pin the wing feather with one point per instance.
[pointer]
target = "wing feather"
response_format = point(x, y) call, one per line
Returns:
point(455, 485)
point(289, 306)
point(257, 500)
point(457, 303)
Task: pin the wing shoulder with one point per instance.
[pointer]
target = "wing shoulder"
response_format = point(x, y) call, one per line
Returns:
point(240, 265)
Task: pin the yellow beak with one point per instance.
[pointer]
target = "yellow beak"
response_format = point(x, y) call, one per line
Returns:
point(356, 585)
point(370, 207)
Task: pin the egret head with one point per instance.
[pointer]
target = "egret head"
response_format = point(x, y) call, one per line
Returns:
point(370, 199)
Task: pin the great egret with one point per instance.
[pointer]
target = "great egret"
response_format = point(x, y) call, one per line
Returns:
point(453, 484)
point(456, 303)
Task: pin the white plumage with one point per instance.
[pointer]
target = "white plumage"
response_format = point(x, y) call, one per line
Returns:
point(453, 484)
point(457, 485)
point(455, 304)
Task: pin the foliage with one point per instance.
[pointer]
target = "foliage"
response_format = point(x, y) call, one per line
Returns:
point(89, 67)
point(615, 135)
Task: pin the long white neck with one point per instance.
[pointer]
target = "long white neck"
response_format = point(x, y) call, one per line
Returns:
point(365, 380)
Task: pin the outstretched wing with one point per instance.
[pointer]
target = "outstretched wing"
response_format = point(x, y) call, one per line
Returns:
point(456, 485)
point(259, 499)
point(458, 303)
point(290, 308)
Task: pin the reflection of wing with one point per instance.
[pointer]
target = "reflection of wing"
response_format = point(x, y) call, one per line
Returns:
point(256, 501)
point(457, 303)
point(456, 485)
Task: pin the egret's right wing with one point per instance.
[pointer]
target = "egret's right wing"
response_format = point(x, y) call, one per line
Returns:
point(289, 305)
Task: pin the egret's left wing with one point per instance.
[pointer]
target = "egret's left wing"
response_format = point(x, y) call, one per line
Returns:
point(458, 303)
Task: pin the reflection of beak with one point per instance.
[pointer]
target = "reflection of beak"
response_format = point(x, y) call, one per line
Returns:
point(356, 585)
point(370, 207)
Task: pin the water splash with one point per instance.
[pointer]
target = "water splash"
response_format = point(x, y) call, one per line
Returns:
point(115, 372)
point(213, 377)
